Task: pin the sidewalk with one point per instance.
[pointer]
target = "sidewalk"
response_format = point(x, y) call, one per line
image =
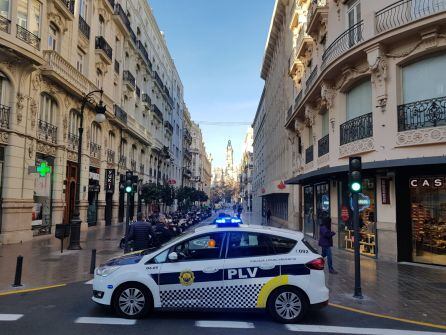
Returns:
point(43, 264)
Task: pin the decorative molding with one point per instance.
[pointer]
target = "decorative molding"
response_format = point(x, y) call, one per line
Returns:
point(4, 137)
point(350, 74)
point(421, 136)
point(360, 146)
point(71, 156)
point(95, 162)
point(328, 96)
point(58, 21)
point(428, 40)
point(30, 149)
point(20, 104)
point(36, 82)
point(33, 107)
point(46, 149)
point(65, 127)
point(323, 159)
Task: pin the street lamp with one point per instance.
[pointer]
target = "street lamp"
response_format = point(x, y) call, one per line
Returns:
point(75, 224)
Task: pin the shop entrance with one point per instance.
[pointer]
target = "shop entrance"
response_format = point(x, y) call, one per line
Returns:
point(43, 191)
point(93, 194)
point(70, 192)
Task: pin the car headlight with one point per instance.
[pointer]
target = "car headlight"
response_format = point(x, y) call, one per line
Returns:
point(104, 271)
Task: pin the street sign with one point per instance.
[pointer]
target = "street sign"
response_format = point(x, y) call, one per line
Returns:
point(345, 216)
point(363, 202)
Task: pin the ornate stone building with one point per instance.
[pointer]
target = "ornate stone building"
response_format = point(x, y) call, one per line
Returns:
point(52, 53)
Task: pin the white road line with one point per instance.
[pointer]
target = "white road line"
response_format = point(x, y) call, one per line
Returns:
point(90, 282)
point(352, 330)
point(105, 321)
point(224, 324)
point(10, 317)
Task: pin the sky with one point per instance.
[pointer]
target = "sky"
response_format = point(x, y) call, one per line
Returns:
point(218, 47)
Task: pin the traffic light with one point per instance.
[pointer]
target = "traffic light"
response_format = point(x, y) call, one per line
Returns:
point(355, 167)
point(129, 182)
point(135, 183)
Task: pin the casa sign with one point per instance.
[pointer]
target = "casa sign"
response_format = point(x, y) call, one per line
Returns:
point(427, 182)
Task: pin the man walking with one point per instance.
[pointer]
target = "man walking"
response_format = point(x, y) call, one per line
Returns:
point(268, 216)
point(141, 234)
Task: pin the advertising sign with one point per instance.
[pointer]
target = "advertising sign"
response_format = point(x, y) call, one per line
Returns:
point(363, 202)
point(109, 180)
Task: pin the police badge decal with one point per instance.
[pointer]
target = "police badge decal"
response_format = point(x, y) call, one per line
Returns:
point(186, 278)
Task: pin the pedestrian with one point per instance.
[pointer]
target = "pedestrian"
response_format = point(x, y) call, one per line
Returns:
point(239, 211)
point(326, 241)
point(141, 234)
point(268, 216)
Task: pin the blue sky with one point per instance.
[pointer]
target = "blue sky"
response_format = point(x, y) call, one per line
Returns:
point(218, 47)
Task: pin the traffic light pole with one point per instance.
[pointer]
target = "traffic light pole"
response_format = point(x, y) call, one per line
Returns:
point(127, 224)
point(358, 291)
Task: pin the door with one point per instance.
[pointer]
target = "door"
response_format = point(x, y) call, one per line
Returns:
point(250, 264)
point(353, 20)
point(108, 208)
point(195, 280)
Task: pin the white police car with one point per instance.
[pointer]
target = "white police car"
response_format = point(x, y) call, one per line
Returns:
point(230, 265)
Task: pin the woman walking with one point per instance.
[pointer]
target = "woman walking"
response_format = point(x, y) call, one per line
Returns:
point(326, 241)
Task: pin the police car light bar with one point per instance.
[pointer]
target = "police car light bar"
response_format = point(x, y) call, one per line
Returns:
point(220, 221)
point(228, 222)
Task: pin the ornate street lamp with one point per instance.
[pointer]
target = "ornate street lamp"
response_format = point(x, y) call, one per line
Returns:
point(75, 224)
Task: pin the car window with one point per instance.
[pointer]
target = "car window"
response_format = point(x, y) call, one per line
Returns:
point(282, 245)
point(207, 246)
point(161, 258)
point(247, 244)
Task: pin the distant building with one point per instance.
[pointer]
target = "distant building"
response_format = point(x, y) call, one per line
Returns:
point(246, 172)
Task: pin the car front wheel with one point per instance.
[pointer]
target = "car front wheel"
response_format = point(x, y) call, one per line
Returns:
point(287, 305)
point(132, 301)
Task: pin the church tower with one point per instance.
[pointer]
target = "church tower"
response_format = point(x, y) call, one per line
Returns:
point(229, 158)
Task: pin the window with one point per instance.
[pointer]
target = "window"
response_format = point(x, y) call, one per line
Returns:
point(80, 61)
point(282, 245)
point(203, 247)
point(4, 8)
point(83, 9)
point(74, 122)
point(99, 78)
point(48, 108)
point(95, 136)
point(101, 26)
point(123, 148)
point(424, 79)
point(310, 136)
point(117, 49)
point(246, 244)
point(359, 100)
point(53, 37)
point(4, 90)
point(353, 13)
point(325, 122)
point(111, 140)
point(28, 15)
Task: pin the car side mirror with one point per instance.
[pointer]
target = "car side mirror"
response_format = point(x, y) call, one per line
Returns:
point(173, 256)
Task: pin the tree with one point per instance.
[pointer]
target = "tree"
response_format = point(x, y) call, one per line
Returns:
point(150, 192)
point(167, 194)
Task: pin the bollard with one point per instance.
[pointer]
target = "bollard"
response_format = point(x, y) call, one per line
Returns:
point(93, 261)
point(18, 272)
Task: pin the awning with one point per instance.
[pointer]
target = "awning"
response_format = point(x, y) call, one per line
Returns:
point(328, 172)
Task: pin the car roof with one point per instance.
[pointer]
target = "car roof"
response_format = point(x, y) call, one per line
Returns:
point(252, 228)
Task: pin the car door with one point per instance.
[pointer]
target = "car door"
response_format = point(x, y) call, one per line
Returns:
point(195, 280)
point(250, 264)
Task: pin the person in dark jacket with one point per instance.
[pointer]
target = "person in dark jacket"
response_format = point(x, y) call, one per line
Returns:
point(141, 233)
point(326, 241)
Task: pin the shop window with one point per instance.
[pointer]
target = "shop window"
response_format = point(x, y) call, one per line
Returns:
point(43, 189)
point(428, 216)
point(359, 100)
point(309, 210)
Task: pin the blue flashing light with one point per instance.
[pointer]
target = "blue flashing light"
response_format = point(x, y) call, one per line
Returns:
point(236, 221)
point(220, 221)
point(228, 222)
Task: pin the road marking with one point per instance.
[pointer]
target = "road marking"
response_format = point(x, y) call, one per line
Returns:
point(31, 289)
point(90, 282)
point(105, 321)
point(10, 317)
point(352, 330)
point(224, 324)
point(419, 323)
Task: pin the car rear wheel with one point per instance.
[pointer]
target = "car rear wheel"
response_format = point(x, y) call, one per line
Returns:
point(287, 305)
point(132, 301)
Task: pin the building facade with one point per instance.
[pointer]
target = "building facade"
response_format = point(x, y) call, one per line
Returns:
point(201, 163)
point(367, 82)
point(53, 53)
point(187, 153)
point(246, 171)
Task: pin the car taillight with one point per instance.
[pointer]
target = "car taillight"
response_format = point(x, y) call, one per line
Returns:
point(316, 264)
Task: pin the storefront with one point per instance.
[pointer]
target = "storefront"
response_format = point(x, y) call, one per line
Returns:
point(93, 194)
point(43, 191)
point(316, 206)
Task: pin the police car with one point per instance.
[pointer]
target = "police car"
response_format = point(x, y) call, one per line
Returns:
point(226, 265)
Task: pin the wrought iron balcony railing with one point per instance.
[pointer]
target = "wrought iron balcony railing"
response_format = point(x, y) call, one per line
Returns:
point(146, 99)
point(121, 13)
point(405, 11)
point(122, 161)
point(168, 126)
point(315, 5)
point(348, 39)
point(143, 51)
point(311, 78)
point(422, 114)
point(159, 81)
point(110, 156)
point(128, 77)
point(47, 132)
point(138, 92)
point(95, 150)
point(5, 24)
point(69, 4)
point(323, 146)
point(357, 129)
point(84, 27)
point(28, 37)
point(309, 155)
point(5, 111)
point(120, 114)
point(133, 165)
point(101, 44)
point(298, 99)
point(117, 66)
point(158, 113)
point(73, 141)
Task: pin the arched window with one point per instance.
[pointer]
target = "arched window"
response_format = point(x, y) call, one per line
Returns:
point(48, 108)
point(133, 153)
point(111, 141)
point(95, 135)
point(53, 38)
point(74, 122)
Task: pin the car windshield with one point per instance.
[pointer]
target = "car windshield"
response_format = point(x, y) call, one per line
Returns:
point(179, 237)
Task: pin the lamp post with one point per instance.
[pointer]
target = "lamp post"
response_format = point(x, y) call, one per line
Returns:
point(75, 224)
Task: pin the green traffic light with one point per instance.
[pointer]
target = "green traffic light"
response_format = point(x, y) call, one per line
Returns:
point(128, 189)
point(356, 187)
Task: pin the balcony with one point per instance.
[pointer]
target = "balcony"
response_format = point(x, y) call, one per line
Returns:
point(348, 39)
point(112, 3)
point(84, 27)
point(405, 11)
point(129, 79)
point(66, 7)
point(122, 162)
point(138, 91)
point(323, 146)
point(120, 114)
point(168, 126)
point(296, 65)
point(310, 80)
point(110, 156)
point(47, 132)
point(121, 18)
point(117, 66)
point(317, 12)
point(146, 100)
point(298, 99)
point(104, 49)
point(144, 53)
point(303, 41)
point(5, 111)
point(28, 37)
point(5, 24)
point(61, 71)
point(187, 136)
point(157, 113)
point(309, 155)
point(357, 129)
point(95, 150)
point(133, 165)
point(159, 82)
point(422, 114)
point(73, 141)
point(142, 169)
